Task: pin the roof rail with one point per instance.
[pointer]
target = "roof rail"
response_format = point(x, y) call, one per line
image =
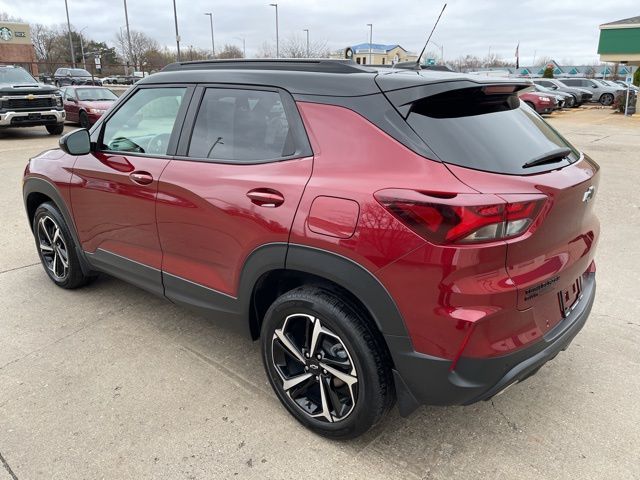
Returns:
point(293, 64)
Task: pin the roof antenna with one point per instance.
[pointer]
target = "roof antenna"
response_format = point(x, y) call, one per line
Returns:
point(417, 67)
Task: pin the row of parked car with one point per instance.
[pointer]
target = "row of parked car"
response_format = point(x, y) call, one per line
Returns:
point(79, 76)
point(554, 94)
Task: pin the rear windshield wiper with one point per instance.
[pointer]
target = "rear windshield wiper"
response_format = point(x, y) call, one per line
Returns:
point(553, 156)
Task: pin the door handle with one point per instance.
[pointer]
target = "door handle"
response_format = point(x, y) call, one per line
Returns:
point(265, 197)
point(141, 178)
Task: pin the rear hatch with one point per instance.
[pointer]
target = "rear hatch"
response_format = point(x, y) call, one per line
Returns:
point(495, 145)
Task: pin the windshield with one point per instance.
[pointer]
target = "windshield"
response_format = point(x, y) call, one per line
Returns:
point(95, 94)
point(79, 72)
point(489, 132)
point(15, 75)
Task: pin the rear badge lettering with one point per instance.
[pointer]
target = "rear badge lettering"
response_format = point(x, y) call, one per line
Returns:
point(533, 292)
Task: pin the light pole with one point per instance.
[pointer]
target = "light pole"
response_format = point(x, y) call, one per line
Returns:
point(126, 20)
point(277, 34)
point(244, 46)
point(73, 55)
point(213, 45)
point(175, 18)
point(370, 25)
point(307, 30)
point(84, 61)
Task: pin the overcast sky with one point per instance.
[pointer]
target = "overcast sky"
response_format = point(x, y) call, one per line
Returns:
point(561, 29)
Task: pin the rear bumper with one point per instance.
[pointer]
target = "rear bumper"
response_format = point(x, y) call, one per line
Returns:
point(423, 379)
point(32, 118)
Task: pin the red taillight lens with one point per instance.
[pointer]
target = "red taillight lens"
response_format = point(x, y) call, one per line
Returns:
point(462, 218)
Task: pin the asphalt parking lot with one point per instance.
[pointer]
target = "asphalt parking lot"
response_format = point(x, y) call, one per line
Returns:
point(111, 382)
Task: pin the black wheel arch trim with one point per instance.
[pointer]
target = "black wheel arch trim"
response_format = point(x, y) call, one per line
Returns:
point(41, 186)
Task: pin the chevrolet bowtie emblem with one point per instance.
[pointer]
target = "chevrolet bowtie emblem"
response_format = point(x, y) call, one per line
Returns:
point(30, 97)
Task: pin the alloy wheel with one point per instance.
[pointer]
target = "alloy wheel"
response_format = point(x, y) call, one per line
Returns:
point(317, 371)
point(53, 248)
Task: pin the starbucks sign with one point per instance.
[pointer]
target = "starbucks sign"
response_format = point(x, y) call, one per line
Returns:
point(6, 34)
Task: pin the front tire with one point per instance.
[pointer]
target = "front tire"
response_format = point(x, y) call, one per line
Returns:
point(84, 120)
point(56, 129)
point(328, 366)
point(56, 248)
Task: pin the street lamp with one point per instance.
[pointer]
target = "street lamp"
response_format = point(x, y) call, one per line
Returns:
point(307, 30)
point(73, 55)
point(244, 46)
point(213, 47)
point(370, 25)
point(175, 18)
point(277, 34)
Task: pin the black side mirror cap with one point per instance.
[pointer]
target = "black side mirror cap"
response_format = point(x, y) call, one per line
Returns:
point(77, 142)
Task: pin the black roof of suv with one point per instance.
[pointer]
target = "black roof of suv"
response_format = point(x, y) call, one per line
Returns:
point(337, 78)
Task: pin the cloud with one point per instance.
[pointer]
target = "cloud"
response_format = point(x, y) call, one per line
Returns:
point(562, 29)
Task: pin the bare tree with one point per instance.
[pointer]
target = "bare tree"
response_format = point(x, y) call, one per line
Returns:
point(230, 51)
point(295, 46)
point(266, 50)
point(140, 49)
point(5, 17)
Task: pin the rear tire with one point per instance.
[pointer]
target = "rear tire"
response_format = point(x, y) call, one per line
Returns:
point(338, 385)
point(56, 248)
point(56, 129)
point(606, 99)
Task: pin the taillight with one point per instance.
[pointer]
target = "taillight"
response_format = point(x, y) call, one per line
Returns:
point(462, 218)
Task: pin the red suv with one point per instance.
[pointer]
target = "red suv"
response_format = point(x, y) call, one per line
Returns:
point(385, 234)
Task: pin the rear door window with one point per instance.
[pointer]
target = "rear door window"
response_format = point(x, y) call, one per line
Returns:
point(489, 132)
point(242, 126)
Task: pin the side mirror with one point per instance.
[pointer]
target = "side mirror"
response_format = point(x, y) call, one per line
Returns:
point(594, 86)
point(77, 142)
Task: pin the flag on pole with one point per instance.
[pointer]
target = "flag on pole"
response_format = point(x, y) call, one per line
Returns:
point(518, 56)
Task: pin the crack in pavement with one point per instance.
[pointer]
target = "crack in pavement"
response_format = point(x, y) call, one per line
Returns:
point(512, 424)
point(7, 467)
point(19, 268)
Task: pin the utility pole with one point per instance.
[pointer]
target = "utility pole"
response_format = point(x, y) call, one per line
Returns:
point(84, 61)
point(370, 25)
point(277, 33)
point(175, 18)
point(126, 20)
point(441, 51)
point(244, 46)
point(73, 55)
point(213, 45)
point(307, 30)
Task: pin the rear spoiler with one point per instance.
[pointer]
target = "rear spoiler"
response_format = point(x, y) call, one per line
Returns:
point(403, 98)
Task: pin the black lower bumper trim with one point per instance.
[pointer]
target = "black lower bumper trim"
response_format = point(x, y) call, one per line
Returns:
point(423, 379)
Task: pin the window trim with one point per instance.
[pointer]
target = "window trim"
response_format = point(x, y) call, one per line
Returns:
point(97, 132)
point(300, 138)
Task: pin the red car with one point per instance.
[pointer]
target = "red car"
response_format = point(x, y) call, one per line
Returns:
point(384, 234)
point(540, 102)
point(85, 105)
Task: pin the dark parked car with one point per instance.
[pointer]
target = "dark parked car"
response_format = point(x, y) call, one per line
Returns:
point(581, 95)
point(85, 105)
point(26, 103)
point(74, 76)
point(385, 234)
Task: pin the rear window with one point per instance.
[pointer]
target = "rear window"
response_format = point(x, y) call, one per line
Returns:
point(489, 132)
